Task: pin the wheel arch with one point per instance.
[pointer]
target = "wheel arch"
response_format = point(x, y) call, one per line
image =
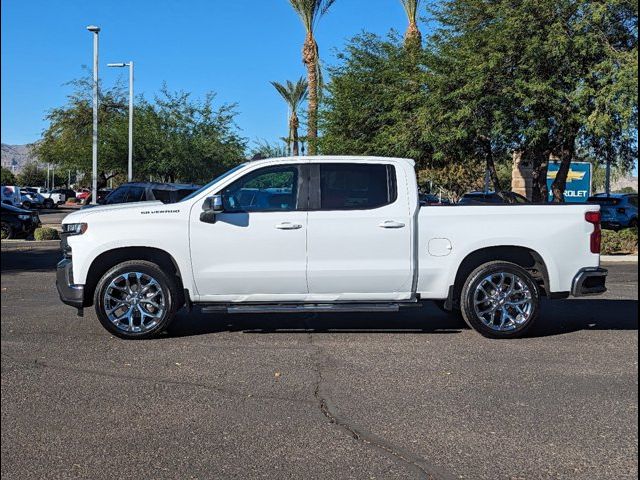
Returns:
point(110, 258)
point(525, 257)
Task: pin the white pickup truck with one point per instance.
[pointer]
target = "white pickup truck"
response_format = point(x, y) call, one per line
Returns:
point(324, 234)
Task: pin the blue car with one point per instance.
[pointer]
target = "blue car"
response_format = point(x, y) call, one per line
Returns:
point(618, 210)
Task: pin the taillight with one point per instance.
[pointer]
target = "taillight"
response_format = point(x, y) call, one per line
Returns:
point(596, 235)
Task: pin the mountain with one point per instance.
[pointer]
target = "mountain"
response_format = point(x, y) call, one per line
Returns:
point(15, 157)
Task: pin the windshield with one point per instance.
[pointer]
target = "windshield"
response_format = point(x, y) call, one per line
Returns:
point(212, 182)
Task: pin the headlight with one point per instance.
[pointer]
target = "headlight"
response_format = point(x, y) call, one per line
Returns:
point(74, 228)
point(24, 217)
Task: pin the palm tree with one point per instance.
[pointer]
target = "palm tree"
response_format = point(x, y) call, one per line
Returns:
point(294, 94)
point(309, 12)
point(412, 35)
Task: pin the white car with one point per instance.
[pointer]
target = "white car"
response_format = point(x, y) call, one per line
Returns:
point(46, 198)
point(310, 234)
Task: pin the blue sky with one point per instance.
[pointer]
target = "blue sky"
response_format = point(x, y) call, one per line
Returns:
point(231, 47)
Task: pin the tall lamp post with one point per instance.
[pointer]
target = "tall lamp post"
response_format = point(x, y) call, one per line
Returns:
point(130, 65)
point(94, 157)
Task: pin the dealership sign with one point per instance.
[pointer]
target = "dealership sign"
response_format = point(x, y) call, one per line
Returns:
point(578, 181)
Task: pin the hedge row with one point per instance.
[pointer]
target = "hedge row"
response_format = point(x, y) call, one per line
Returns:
point(620, 242)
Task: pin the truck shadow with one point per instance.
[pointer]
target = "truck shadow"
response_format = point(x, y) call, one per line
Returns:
point(557, 318)
point(30, 259)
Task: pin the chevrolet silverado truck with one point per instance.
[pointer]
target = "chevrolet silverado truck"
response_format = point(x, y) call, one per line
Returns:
point(325, 234)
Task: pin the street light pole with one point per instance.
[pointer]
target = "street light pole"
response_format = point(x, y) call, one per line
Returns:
point(94, 170)
point(130, 163)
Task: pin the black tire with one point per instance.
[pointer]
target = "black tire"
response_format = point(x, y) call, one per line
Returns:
point(48, 204)
point(167, 284)
point(515, 327)
point(7, 231)
point(633, 223)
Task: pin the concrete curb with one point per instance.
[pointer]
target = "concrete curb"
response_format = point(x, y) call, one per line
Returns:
point(28, 245)
point(619, 258)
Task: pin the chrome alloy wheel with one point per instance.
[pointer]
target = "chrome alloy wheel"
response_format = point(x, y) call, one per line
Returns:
point(134, 302)
point(503, 301)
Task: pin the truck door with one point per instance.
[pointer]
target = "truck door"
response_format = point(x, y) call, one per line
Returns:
point(360, 232)
point(256, 250)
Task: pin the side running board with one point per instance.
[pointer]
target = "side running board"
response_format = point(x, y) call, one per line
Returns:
point(306, 307)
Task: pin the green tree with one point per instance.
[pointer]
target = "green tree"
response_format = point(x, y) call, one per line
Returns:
point(32, 176)
point(66, 142)
point(293, 94)
point(7, 177)
point(538, 96)
point(179, 138)
point(309, 12)
point(175, 137)
point(373, 102)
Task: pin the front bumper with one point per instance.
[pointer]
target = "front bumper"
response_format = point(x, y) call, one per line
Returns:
point(70, 293)
point(589, 281)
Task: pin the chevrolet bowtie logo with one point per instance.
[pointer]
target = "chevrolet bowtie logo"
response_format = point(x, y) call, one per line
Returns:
point(571, 176)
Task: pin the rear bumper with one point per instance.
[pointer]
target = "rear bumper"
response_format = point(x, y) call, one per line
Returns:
point(70, 293)
point(589, 281)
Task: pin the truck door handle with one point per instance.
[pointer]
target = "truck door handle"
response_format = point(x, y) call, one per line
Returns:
point(391, 224)
point(288, 226)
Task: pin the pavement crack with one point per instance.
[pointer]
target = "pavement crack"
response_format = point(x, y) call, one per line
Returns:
point(414, 463)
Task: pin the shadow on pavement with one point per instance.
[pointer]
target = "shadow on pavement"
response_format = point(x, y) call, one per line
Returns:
point(566, 316)
point(426, 319)
point(558, 317)
point(38, 259)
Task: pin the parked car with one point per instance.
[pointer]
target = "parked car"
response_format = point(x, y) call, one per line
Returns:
point(83, 194)
point(49, 199)
point(30, 199)
point(18, 222)
point(492, 198)
point(67, 192)
point(618, 210)
point(146, 192)
point(334, 234)
point(429, 199)
point(11, 195)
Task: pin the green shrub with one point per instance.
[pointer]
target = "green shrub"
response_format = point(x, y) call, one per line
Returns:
point(623, 241)
point(46, 233)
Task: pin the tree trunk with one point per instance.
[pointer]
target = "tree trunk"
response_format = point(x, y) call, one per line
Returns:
point(310, 59)
point(539, 190)
point(412, 37)
point(566, 156)
point(491, 166)
point(293, 132)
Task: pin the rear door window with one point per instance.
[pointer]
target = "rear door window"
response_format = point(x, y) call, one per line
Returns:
point(355, 186)
point(136, 194)
point(163, 195)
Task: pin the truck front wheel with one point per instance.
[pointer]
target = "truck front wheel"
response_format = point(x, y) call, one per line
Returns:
point(500, 300)
point(136, 300)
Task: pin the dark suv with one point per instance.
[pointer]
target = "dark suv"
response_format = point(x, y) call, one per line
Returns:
point(148, 191)
point(17, 222)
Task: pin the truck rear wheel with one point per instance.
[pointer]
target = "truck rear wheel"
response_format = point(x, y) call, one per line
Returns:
point(500, 300)
point(136, 300)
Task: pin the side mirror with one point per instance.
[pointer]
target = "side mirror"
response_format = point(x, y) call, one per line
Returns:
point(210, 208)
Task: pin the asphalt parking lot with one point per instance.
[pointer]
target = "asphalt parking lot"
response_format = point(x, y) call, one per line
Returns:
point(366, 396)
